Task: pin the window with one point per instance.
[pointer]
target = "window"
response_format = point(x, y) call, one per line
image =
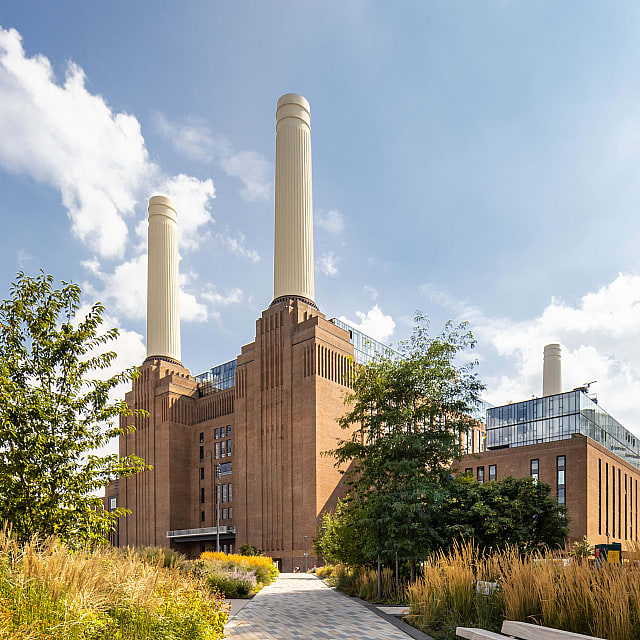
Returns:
point(201, 453)
point(492, 472)
point(224, 514)
point(560, 464)
point(224, 493)
point(218, 493)
point(201, 473)
point(202, 516)
point(215, 434)
point(480, 474)
point(469, 470)
point(202, 495)
point(223, 449)
point(228, 447)
point(201, 437)
point(535, 469)
point(225, 468)
point(230, 512)
point(230, 492)
point(230, 546)
point(217, 450)
point(224, 548)
point(228, 430)
point(113, 503)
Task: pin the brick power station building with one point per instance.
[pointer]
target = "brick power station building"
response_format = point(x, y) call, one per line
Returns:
point(236, 451)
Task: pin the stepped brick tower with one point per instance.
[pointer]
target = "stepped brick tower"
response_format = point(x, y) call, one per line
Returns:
point(236, 452)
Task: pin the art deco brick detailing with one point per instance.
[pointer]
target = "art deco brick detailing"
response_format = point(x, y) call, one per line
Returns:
point(163, 311)
point(552, 370)
point(293, 246)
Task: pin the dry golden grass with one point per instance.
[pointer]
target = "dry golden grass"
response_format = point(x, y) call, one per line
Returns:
point(540, 588)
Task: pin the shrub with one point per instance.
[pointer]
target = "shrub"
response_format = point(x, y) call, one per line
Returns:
point(47, 591)
point(262, 566)
point(324, 572)
point(233, 583)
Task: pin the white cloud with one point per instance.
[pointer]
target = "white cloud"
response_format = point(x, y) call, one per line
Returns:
point(328, 264)
point(125, 291)
point(372, 291)
point(191, 198)
point(217, 299)
point(331, 221)
point(194, 138)
point(70, 139)
point(236, 245)
point(600, 338)
point(191, 137)
point(373, 323)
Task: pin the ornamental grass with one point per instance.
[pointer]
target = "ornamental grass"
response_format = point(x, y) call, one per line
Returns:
point(466, 588)
point(49, 592)
point(236, 575)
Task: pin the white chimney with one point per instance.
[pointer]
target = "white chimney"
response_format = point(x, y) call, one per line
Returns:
point(552, 371)
point(163, 311)
point(293, 247)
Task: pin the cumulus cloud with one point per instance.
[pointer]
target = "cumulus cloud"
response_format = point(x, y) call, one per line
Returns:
point(328, 264)
point(331, 221)
point(125, 291)
point(600, 338)
point(62, 135)
point(234, 296)
point(373, 323)
point(372, 291)
point(194, 138)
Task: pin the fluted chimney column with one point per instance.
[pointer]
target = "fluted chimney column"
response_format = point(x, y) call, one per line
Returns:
point(293, 248)
point(163, 310)
point(552, 370)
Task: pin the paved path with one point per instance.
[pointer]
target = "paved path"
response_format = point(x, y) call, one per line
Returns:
point(299, 606)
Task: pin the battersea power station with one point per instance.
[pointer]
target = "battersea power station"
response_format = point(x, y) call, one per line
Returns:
point(236, 451)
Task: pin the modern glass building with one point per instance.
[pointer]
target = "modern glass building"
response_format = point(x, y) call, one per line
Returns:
point(217, 378)
point(365, 348)
point(558, 417)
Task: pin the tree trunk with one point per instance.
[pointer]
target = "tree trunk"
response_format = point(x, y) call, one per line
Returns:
point(379, 580)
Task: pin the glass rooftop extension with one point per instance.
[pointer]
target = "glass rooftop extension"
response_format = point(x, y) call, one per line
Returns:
point(365, 348)
point(217, 378)
point(558, 417)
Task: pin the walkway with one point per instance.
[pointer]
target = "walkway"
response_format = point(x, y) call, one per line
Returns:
point(299, 606)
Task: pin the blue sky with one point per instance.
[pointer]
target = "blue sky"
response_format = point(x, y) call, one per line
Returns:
point(475, 160)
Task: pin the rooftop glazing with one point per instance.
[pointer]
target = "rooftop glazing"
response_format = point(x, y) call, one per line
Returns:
point(558, 417)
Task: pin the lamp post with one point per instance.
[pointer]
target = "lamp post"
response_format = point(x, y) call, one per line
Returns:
point(213, 497)
point(217, 508)
point(306, 555)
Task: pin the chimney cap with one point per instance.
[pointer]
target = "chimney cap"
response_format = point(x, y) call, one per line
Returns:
point(294, 98)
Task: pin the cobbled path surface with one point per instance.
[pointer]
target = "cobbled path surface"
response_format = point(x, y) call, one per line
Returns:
point(299, 606)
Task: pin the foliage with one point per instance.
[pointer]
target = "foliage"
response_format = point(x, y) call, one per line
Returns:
point(324, 572)
point(508, 512)
point(237, 575)
point(582, 548)
point(54, 414)
point(47, 591)
point(340, 535)
point(247, 549)
point(363, 583)
point(405, 418)
point(537, 587)
point(164, 556)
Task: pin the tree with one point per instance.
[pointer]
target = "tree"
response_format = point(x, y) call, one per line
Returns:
point(406, 416)
point(54, 414)
point(508, 512)
point(340, 536)
point(247, 549)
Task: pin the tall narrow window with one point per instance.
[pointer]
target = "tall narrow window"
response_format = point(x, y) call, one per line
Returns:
point(223, 449)
point(201, 437)
point(215, 434)
point(224, 493)
point(202, 495)
point(230, 492)
point(218, 493)
point(201, 473)
point(626, 503)
point(606, 498)
point(562, 497)
point(613, 499)
point(230, 513)
point(480, 474)
point(217, 450)
point(492, 472)
point(535, 469)
point(228, 447)
point(619, 504)
point(202, 516)
point(228, 430)
point(201, 453)
point(599, 496)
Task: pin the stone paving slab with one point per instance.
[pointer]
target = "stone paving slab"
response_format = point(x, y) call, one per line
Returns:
point(299, 606)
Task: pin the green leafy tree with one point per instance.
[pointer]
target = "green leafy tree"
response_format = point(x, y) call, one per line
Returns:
point(511, 511)
point(247, 549)
point(55, 413)
point(406, 415)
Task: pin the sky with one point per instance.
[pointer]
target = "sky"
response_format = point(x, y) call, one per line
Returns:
point(475, 160)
